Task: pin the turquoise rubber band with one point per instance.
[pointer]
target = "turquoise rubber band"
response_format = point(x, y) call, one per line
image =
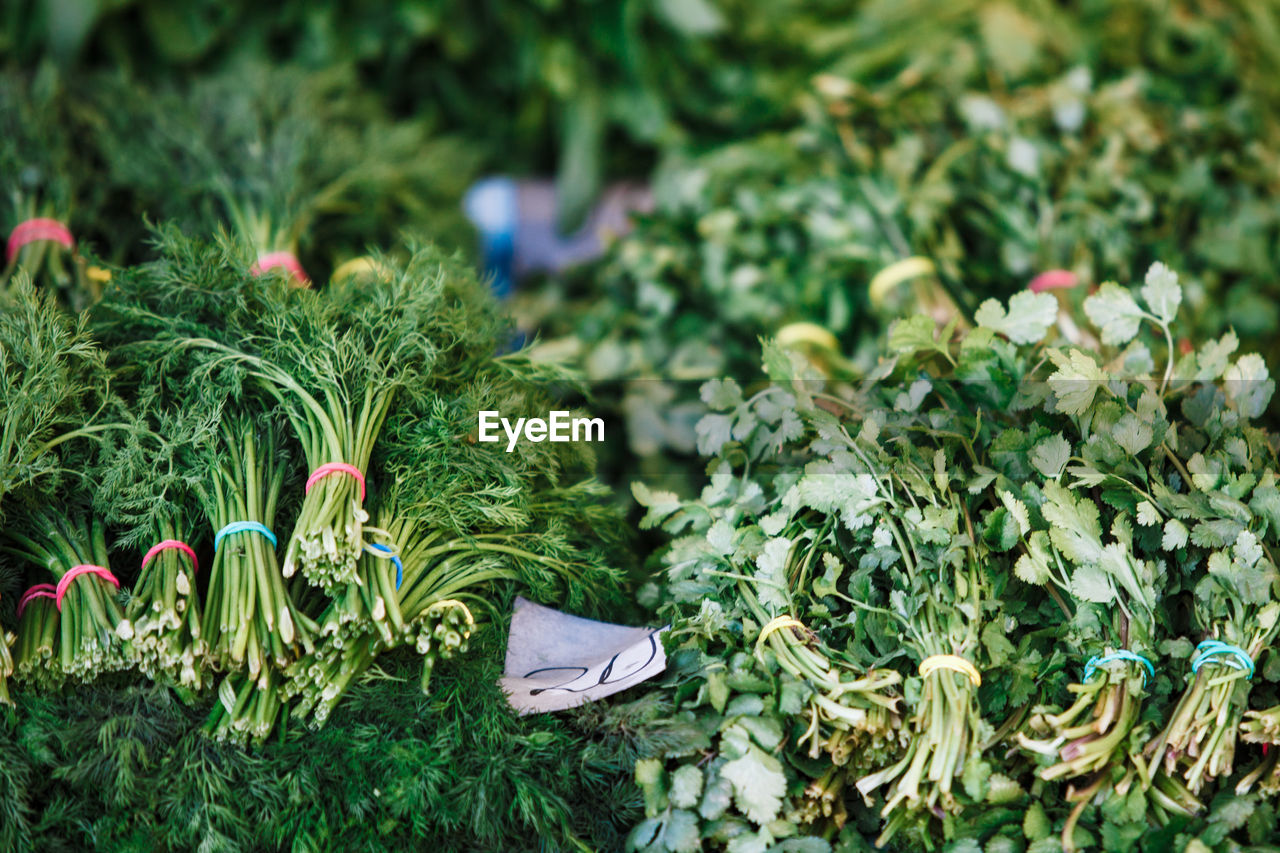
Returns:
point(1216, 651)
point(243, 527)
point(394, 559)
point(1091, 666)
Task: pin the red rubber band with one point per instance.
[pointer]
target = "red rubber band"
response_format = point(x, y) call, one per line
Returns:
point(40, 590)
point(171, 544)
point(1053, 280)
point(335, 468)
point(76, 571)
point(34, 230)
point(288, 260)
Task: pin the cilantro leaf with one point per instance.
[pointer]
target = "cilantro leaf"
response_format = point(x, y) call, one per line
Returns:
point(771, 573)
point(721, 394)
point(758, 784)
point(1175, 535)
point(1115, 313)
point(914, 334)
point(1028, 319)
point(1162, 292)
point(1076, 380)
point(1090, 583)
point(1033, 566)
point(1074, 526)
point(1249, 386)
point(1050, 455)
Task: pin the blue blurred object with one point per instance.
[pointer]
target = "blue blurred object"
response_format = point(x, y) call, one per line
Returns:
point(491, 204)
point(517, 224)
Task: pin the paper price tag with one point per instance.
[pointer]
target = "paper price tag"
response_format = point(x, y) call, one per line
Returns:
point(557, 661)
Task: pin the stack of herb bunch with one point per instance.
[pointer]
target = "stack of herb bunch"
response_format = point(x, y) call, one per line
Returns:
point(57, 406)
point(905, 522)
point(460, 528)
point(297, 164)
point(411, 345)
point(148, 478)
point(41, 180)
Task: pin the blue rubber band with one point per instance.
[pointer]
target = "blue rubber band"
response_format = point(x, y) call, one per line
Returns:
point(394, 559)
point(1216, 651)
point(1091, 666)
point(243, 527)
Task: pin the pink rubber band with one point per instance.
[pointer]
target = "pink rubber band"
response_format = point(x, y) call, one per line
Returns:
point(76, 571)
point(40, 590)
point(1053, 280)
point(335, 468)
point(169, 544)
point(34, 230)
point(288, 260)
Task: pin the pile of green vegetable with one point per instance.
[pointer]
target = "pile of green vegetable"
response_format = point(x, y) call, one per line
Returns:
point(1003, 593)
point(160, 526)
point(944, 157)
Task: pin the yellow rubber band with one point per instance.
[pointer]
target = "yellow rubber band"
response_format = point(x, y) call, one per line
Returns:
point(895, 274)
point(361, 266)
point(453, 602)
point(955, 663)
point(807, 333)
point(777, 625)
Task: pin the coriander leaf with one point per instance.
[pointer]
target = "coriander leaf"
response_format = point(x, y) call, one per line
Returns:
point(1131, 434)
point(1091, 583)
point(999, 650)
point(758, 785)
point(1162, 292)
point(1115, 313)
point(1076, 380)
point(720, 537)
point(1033, 566)
point(680, 833)
point(1074, 526)
point(1050, 455)
point(914, 334)
point(1247, 550)
point(1249, 386)
point(659, 503)
point(714, 432)
point(1175, 535)
point(771, 574)
point(1018, 510)
point(827, 488)
point(1214, 356)
point(686, 786)
point(721, 394)
point(910, 400)
point(1028, 319)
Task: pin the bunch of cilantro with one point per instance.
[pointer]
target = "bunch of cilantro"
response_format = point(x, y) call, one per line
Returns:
point(937, 165)
point(862, 644)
